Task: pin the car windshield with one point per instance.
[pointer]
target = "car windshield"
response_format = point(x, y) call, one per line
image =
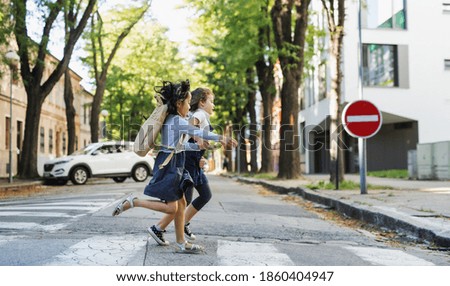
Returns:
point(85, 151)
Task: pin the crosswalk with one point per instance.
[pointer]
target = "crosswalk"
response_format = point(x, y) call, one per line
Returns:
point(132, 249)
point(48, 215)
point(21, 220)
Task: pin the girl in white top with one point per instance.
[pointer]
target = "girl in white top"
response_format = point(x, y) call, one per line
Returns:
point(202, 107)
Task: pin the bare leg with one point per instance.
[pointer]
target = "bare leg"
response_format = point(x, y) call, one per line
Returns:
point(179, 220)
point(165, 221)
point(190, 213)
point(168, 208)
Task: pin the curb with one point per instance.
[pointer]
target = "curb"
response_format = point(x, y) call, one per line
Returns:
point(20, 189)
point(359, 213)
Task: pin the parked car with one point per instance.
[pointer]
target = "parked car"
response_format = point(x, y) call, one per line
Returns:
point(114, 160)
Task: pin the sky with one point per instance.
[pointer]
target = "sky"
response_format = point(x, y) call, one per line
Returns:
point(175, 19)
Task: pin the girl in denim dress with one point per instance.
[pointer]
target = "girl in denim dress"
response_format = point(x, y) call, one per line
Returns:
point(170, 179)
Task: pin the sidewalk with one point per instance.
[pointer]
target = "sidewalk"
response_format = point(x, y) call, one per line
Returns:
point(19, 187)
point(417, 209)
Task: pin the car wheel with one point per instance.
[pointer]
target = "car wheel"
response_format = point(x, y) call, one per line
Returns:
point(140, 173)
point(79, 176)
point(119, 179)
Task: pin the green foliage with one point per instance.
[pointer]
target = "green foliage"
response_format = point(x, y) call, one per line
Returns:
point(394, 173)
point(228, 47)
point(147, 57)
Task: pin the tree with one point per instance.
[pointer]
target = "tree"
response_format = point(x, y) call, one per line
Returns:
point(104, 36)
point(264, 70)
point(233, 39)
point(290, 37)
point(71, 10)
point(336, 29)
point(33, 67)
point(147, 57)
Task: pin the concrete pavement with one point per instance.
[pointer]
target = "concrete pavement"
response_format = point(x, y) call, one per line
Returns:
point(414, 209)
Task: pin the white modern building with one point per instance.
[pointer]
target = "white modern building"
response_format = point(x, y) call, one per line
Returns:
point(406, 74)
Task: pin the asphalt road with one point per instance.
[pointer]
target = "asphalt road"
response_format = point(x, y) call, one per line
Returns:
point(242, 225)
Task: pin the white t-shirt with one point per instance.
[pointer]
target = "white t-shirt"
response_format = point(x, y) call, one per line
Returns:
point(203, 117)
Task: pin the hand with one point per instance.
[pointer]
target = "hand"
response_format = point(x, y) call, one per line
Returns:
point(203, 144)
point(228, 141)
point(203, 162)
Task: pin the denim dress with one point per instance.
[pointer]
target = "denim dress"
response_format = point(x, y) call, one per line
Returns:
point(171, 182)
point(192, 164)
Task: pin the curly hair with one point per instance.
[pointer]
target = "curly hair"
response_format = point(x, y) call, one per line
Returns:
point(172, 93)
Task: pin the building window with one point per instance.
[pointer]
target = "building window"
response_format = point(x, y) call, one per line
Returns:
point(447, 64)
point(42, 139)
point(380, 65)
point(76, 143)
point(64, 143)
point(87, 114)
point(19, 135)
point(50, 141)
point(384, 14)
point(84, 114)
point(7, 133)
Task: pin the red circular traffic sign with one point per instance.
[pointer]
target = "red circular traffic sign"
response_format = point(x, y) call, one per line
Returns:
point(361, 119)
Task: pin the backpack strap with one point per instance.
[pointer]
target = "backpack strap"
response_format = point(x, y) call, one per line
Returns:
point(178, 147)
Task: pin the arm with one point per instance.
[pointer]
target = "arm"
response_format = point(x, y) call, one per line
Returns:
point(183, 127)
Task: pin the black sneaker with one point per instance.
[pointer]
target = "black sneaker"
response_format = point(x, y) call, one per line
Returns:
point(157, 235)
point(188, 233)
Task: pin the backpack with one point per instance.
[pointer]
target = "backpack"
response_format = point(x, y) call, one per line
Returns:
point(145, 139)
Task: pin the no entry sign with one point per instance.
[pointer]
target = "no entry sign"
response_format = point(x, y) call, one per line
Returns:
point(361, 119)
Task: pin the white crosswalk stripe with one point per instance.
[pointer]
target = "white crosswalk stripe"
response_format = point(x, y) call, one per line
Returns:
point(48, 215)
point(102, 251)
point(388, 257)
point(231, 253)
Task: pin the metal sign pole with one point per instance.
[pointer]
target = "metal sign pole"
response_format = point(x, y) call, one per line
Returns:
point(238, 149)
point(361, 141)
point(362, 165)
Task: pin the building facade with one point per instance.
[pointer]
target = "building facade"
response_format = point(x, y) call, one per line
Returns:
point(406, 74)
point(53, 136)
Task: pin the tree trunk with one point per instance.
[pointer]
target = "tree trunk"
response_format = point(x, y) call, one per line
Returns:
point(266, 149)
point(28, 163)
point(264, 71)
point(95, 109)
point(290, 36)
point(289, 167)
point(253, 136)
point(70, 112)
point(336, 30)
point(241, 152)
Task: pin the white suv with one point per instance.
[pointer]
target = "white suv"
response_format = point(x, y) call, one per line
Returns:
point(114, 160)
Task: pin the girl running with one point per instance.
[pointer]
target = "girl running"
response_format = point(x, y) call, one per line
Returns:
point(202, 107)
point(170, 179)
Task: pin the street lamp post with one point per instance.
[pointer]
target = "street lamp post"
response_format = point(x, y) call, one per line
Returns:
point(13, 60)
